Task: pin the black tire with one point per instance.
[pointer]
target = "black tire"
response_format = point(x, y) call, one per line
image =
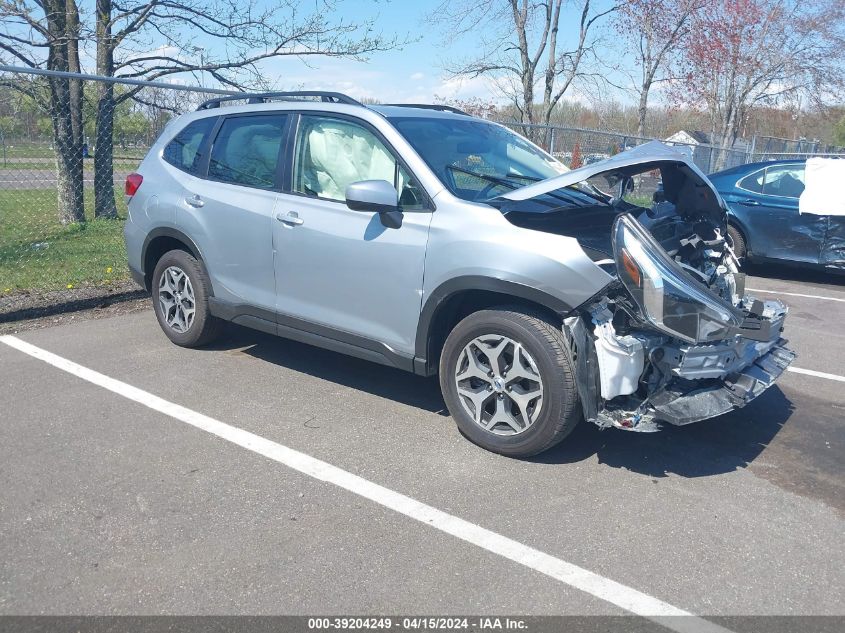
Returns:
point(544, 341)
point(737, 242)
point(204, 328)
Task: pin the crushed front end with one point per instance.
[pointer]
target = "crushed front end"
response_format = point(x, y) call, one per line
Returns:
point(674, 339)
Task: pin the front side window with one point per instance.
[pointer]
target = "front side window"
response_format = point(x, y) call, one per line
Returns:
point(476, 160)
point(246, 150)
point(184, 150)
point(786, 181)
point(331, 154)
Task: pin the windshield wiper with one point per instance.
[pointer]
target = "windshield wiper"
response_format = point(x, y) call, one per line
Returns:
point(499, 180)
point(529, 178)
point(587, 189)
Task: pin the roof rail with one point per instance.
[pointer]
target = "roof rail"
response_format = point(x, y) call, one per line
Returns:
point(428, 106)
point(265, 97)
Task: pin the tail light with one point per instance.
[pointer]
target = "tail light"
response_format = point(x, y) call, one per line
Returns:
point(133, 182)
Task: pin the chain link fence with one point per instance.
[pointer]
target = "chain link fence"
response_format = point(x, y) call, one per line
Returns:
point(67, 143)
point(576, 147)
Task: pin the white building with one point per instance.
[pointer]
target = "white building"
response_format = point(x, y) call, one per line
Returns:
point(699, 145)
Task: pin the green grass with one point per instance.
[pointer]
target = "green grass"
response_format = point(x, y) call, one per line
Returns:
point(38, 253)
point(641, 200)
point(29, 151)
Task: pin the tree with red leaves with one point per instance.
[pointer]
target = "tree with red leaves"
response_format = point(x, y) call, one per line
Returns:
point(742, 53)
point(576, 161)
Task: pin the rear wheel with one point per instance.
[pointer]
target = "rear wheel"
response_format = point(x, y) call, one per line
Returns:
point(737, 242)
point(180, 289)
point(509, 382)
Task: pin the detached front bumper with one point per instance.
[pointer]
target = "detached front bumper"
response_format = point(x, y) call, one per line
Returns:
point(686, 401)
point(665, 381)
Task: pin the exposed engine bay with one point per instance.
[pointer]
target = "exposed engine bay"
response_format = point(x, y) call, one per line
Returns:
point(674, 338)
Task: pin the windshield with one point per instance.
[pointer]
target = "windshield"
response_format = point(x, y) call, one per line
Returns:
point(477, 160)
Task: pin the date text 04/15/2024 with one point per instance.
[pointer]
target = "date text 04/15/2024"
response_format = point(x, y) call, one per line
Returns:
point(417, 623)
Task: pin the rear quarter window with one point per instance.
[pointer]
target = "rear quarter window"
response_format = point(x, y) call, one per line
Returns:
point(183, 152)
point(753, 182)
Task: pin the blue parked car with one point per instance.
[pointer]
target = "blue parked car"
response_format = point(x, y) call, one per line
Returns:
point(764, 223)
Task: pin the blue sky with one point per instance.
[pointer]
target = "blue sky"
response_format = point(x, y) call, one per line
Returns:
point(412, 74)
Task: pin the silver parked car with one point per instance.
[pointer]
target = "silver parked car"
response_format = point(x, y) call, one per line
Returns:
point(429, 240)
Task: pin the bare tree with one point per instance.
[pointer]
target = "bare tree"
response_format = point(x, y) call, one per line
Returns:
point(153, 39)
point(652, 31)
point(29, 30)
point(520, 47)
point(745, 53)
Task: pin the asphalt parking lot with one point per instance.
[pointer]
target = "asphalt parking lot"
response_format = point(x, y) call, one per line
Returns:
point(115, 503)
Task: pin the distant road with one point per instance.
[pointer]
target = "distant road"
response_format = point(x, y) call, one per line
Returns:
point(46, 178)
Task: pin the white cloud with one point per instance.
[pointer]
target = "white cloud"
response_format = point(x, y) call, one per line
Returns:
point(417, 76)
point(468, 87)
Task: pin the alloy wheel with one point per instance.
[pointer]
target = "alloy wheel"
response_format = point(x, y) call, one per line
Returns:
point(499, 385)
point(176, 298)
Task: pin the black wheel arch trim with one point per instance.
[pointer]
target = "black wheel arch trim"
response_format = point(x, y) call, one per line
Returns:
point(166, 231)
point(448, 289)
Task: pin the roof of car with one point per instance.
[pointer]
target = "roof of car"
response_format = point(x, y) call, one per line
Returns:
point(749, 167)
point(296, 99)
point(388, 111)
point(422, 111)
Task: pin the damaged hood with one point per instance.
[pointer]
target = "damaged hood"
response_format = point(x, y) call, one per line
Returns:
point(651, 152)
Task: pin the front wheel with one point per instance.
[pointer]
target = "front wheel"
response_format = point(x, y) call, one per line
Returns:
point(509, 382)
point(737, 242)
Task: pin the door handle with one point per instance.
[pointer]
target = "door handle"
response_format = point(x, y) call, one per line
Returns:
point(292, 218)
point(194, 201)
point(749, 202)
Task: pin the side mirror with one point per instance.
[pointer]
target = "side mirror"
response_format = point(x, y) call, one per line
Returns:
point(378, 196)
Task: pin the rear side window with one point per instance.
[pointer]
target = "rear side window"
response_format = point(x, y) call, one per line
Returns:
point(184, 150)
point(246, 150)
point(753, 182)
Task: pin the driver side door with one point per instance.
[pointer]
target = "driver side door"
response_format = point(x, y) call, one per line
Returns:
point(342, 271)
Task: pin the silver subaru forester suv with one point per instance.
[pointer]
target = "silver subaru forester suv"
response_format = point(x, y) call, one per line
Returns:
point(423, 238)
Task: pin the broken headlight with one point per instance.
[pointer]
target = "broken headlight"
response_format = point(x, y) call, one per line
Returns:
point(668, 297)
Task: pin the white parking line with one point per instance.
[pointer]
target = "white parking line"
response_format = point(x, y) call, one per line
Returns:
point(608, 590)
point(796, 294)
point(817, 374)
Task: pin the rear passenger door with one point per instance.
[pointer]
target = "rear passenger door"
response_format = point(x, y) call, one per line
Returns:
point(235, 207)
point(341, 268)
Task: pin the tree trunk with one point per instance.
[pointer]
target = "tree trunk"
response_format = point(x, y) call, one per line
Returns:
point(69, 179)
point(75, 85)
point(104, 205)
point(727, 137)
point(642, 112)
point(68, 155)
